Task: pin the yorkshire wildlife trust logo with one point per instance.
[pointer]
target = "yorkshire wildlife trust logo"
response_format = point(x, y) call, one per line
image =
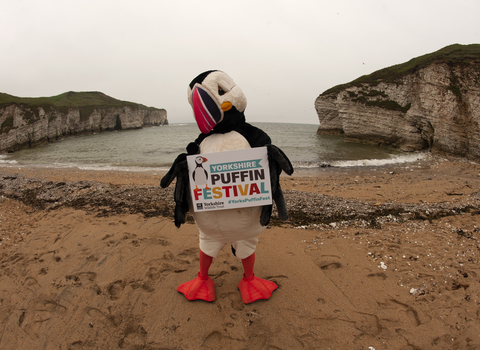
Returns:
point(232, 179)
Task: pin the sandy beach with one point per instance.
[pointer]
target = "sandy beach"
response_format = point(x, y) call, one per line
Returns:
point(371, 258)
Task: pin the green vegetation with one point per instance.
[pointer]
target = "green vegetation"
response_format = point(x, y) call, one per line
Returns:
point(452, 55)
point(7, 124)
point(86, 102)
point(455, 90)
point(454, 87)
point(373, 93)
point(69, 100)
point(389, 104)
point(385, 104)
point(352, 94)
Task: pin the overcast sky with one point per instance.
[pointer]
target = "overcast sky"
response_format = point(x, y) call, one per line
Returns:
point(281, 53)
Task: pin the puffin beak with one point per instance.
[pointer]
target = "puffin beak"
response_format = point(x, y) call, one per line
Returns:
point(206, 109)
point(226, 106)
point(204, 159)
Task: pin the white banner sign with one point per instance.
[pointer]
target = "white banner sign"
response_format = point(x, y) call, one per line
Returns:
point(231, 179)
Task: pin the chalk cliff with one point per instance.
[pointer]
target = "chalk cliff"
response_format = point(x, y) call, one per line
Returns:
point(431, 102)
point(29, 122)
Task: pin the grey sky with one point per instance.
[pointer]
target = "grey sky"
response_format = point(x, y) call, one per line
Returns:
point(282, 53)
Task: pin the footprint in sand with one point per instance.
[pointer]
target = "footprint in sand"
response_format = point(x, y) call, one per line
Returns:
point(189, 254)
point(380, 275)
point(146, 286)
point(171, 263)
point(81, 278)
point(76, 345)
point(134, 337)
point(213, 340)
point(410, 312)
point(42, 310)
point(115, 289)
point(90, 276)
point(153, 274)
point(236, 301)
point(218, 278)
point(276, 279)
point(114, 320)
point(325, 262)
point(328, 265)
point(168, 255)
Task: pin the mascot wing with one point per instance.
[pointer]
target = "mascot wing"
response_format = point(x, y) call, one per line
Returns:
point(179, 170)
point(277, 161)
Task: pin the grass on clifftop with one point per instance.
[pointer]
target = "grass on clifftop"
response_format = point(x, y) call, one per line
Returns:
point(453, 55)
point(69, 100)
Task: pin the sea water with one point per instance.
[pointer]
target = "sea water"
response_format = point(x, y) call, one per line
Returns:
point(155, 148)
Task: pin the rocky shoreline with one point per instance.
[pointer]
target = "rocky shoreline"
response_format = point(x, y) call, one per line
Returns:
point(306, 208)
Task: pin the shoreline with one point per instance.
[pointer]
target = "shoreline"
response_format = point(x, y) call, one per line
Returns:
point(31, 169)
point(383, 257)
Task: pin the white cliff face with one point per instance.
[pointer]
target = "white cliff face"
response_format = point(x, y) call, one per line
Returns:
point(24, 127)
point(436, 108)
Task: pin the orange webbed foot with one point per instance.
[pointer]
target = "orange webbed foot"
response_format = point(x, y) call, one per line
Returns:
point(200, 288)
point(254, 288)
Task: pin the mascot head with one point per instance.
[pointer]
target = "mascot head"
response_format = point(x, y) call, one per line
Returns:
point(217, 101)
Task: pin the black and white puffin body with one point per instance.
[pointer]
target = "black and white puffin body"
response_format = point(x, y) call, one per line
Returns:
point(239, 227)
point(218, 105)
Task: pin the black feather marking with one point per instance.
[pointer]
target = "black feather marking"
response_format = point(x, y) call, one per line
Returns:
point(200, 78)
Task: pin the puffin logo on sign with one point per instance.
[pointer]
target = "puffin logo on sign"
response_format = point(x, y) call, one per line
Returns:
point(233, 179)
point(200, 175)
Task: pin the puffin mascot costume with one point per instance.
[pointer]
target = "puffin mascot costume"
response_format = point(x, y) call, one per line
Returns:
point(218, 106)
